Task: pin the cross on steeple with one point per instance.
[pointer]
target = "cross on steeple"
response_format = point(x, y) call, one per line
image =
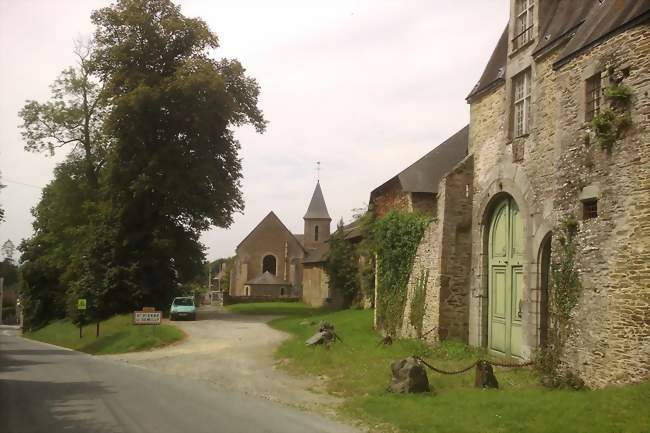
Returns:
point(318, 171)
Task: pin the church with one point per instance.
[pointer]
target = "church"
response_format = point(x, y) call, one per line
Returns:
point(273, 263)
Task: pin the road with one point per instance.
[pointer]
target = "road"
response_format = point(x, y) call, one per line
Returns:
point(47, 389)
point(235, 352)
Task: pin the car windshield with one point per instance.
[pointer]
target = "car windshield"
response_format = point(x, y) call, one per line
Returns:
point(183, 301)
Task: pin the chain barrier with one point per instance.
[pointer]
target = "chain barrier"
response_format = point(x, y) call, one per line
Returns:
point(463, 370)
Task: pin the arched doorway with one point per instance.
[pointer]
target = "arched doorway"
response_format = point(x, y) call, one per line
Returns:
point(269, 264)
point(505, 279)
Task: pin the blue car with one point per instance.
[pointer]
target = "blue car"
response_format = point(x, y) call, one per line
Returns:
point(183, 308)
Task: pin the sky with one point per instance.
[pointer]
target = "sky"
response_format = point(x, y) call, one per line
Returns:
point(366, 87)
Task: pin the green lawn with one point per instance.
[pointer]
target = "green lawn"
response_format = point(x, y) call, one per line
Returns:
point(287, 309)
point(116, 335)
point(358, 370)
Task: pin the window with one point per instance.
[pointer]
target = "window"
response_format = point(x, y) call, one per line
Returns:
point(282, 291)
point(522, 103)
point(594, 94)
point(589, 209)
point(268, 264)
point(248, 290)
point(523, 23)
point(316, 233)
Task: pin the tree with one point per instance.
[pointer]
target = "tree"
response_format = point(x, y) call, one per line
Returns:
point(50, 256)
point(174, 168)
point(74, 117)
point(342, 265)
point(8, 251)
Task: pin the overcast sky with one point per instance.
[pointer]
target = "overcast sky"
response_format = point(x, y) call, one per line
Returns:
point(364, 86)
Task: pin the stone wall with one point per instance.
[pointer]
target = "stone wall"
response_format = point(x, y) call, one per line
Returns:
point(391, 197)
point(443, 258)
point(316, 290)
point(611, 326)
point(547, 174)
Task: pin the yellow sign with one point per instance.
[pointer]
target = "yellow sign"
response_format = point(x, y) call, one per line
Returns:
point(149, 309)
point(81, 304)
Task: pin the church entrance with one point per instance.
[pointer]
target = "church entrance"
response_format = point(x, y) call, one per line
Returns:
point(506, 279)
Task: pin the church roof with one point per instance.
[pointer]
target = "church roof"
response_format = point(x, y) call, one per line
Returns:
point(317, 208)
point(268, 278)
point(317, 254)
point(585, 23)
point(270, 217)
point(425, 173)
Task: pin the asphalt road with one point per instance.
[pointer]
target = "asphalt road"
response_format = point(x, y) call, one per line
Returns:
point(47, 389)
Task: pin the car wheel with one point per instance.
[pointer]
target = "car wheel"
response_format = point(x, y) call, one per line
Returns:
point(194, 316)
point(172, 317)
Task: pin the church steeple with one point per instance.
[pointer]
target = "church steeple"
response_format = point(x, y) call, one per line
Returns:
point(317, 219)
point(317, 208)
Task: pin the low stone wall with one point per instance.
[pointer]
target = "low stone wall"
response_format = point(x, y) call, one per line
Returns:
point(231, 300)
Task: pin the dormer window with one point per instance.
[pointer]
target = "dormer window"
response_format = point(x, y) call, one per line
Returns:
point(523, 23)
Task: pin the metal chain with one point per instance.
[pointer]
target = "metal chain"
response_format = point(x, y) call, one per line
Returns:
point(497, 364)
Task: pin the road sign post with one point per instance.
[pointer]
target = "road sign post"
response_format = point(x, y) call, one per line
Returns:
point(81, 306)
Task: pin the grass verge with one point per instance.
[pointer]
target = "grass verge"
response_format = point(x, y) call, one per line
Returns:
point(358, 370)
point(286, 309)
point(116, 335)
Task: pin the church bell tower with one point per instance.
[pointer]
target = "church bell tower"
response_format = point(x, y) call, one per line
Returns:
point(317, 220)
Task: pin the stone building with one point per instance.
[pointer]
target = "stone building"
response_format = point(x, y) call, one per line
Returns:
point(273, 263)
point(538, 176)
point(415, 188)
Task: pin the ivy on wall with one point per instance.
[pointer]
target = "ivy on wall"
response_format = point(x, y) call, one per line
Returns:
point(563, 298)
point(611, 123)
point(417, 302)
point(396, 237)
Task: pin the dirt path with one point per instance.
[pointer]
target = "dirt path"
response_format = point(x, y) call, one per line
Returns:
point(235, 352)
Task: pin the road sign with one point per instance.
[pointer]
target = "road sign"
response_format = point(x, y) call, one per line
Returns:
point(147, 318)
point(81, 304)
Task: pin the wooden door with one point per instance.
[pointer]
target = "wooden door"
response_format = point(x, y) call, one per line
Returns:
point(505, 280)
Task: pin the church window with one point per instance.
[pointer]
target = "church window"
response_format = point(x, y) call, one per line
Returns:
point(282, 291)
point(594, 96)
point(522, 103)
point(269, 264)
point(316, 233)
point(523, 23)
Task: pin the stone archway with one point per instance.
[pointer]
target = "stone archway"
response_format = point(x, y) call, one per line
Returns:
point(506, 256)
point(544, 285)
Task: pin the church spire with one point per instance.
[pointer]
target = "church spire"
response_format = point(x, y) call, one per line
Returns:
point(317, 208)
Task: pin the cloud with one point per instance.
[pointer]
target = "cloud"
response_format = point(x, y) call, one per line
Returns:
point(365, 87)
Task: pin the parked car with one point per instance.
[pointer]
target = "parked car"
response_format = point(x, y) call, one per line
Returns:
point(183, 308)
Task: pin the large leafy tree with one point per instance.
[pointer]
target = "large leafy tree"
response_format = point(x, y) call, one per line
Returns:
point(73, 118)
point(174, 168)
point(60, 225)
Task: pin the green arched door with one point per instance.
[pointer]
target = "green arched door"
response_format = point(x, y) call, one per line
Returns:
point(505, 281)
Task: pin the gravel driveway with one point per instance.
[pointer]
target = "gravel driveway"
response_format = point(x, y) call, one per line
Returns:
point(234, 352)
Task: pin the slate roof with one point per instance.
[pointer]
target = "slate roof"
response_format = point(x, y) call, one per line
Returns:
point(604, 21)
point(584, 22)
point(268, 279)
point(317, 254)
point(317, 208)
point(425, 173)
point(494, 73)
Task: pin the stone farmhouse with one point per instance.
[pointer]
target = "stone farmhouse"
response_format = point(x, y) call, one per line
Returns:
point(273, 263)
point(545, 188)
